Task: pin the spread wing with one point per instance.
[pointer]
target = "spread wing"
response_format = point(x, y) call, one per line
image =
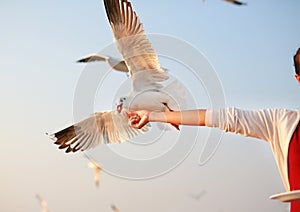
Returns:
point(131, 40)
point(116, 64)
point(103, 127)
point(93, 58)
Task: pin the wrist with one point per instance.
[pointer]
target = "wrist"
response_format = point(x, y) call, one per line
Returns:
point(156, 116)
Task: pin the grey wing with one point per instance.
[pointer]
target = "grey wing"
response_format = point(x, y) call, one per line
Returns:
point(130, 37)
point(93, 58)
point(103, 127)
point(114, 63)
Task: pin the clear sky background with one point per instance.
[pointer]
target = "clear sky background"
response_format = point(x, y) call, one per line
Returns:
point(251, 49)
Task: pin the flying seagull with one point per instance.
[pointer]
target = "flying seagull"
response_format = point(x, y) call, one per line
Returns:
point(43, 203)
point(97, 169)
point(233, 2)
point(147, 91)
point(198, 196)
point(114, 208)
point(114, 63)
point(236, 2)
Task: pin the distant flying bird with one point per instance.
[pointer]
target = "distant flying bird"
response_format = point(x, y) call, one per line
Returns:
point(114, 208)
point(43, 203)
point(148, 92)
point(198, 196)
point(236, 2)
point(114, 63)
point(97, 169)
point(233, 2)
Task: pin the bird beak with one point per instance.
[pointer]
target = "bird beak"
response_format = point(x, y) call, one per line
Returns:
point(119, 108)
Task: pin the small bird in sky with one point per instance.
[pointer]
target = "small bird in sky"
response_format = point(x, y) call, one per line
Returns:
point(236, 2)
point(114, 208)
point(43, 203)
point(97, 169)
point(114, 63)
point(239, 3)
point(198, 196)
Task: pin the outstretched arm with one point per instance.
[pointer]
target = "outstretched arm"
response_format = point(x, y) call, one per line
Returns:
point(138, 119)
point(262, 124)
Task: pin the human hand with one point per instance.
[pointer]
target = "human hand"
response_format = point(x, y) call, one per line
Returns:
point(138, 119)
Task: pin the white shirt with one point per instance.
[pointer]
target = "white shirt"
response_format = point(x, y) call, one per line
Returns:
point(275, 126)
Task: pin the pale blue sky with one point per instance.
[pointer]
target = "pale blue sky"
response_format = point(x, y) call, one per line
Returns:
point(250, 47)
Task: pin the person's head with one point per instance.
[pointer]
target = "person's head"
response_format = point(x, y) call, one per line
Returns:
point(297, 65)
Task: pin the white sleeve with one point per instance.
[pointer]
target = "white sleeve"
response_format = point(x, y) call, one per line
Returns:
point(273, 125)
point(261, 124)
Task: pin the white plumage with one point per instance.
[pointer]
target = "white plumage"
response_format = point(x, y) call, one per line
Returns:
point(146, 76)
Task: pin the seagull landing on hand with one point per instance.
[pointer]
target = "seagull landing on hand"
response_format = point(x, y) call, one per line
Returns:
point(114, 63)
point(147, 93)
point(43, 203)
point(145, 71)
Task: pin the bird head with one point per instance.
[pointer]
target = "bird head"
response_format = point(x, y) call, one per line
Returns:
point(121, 103)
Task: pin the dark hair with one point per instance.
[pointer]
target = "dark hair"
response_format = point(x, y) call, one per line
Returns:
point(297, 62)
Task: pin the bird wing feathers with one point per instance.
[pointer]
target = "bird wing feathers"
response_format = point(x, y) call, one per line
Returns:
point(102, 127)
point(93, 58)
point(116, 64)
point(130, 37)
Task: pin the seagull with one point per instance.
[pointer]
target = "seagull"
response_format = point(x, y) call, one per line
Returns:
point(147, 92)
point(236, 2)
point(97, 169)
point(198, 196)
point(94, 165)
point(114, 208)
point(114, 63)
point(43, 203)
point(233, 2)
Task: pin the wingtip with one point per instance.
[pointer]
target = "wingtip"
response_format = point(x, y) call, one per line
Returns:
point(52, 137)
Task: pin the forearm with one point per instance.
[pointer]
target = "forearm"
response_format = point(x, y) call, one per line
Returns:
point(187, 117)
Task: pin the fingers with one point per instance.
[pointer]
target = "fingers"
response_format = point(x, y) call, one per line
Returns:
point(130, 114)
point(139, 122)
point(143, 121)
point(137, 119)
point(133, 118)
point(136, 122)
